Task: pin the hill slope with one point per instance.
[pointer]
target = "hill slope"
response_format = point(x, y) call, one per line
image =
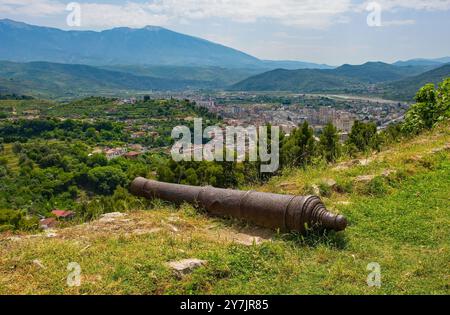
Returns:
point(376, 72)
point(395, 82)
point(398, 220)
point(407, 88)
point(347, 78)
point(53, 79)
point(297, 80)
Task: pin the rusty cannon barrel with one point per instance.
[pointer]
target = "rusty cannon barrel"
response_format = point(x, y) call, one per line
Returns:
point(284, 212)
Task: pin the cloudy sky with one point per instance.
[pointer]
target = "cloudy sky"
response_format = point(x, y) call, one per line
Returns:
point(323, 31)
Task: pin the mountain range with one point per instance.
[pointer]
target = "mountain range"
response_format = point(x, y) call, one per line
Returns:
point(390, 81)
point(50, 62)
point(151, 45)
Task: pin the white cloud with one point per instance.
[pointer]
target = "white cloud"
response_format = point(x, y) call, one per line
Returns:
point(398, 22)
point(297, 13)
point(419, 5)
point(303, 13)
point(33, 8)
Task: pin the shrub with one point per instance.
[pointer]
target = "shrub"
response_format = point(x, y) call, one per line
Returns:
point(325, 190)
point(344, 187)
point(10, 217)
point(433, 106)
point(105, 179)
point(6, 227)
point(377, 187)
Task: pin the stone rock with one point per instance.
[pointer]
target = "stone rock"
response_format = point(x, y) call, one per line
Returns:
point(330, 183)
point(106, 220)
point(364, 178)
point(439, 150)
point(365, 162)
point(186, 266)
point(38, 263)
point(173, 228)
point(14, 238)
point(113, 215)
point(249, 240)
point(50, 233)
point(387, 173)
point(315, 190)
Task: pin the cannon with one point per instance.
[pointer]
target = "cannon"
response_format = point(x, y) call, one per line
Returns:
point(284, 212)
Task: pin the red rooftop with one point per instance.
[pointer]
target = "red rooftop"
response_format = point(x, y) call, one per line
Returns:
point(63, 214)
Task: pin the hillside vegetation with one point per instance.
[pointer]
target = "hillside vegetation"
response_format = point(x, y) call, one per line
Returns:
point(372, 78)
point(396, 202)
point(46, 79)
point(407, 87)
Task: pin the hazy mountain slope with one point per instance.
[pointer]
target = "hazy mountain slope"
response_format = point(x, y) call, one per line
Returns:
point(297, 80)
point(406, 89)
point(347, 78)
point(150, 45)
point(375, 72)
point(419, 62)
point(443, 59)
point(217, 76)
point(293, 65)
point(54, 79)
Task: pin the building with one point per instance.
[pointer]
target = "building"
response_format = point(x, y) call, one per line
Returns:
point(115, 153)
point(132, 155)
point(63, 214)
point(136, 147)
point(138, 134)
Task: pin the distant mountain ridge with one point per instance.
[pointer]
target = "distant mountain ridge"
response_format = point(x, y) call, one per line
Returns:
point(423, 62)
point(370, 78)
point(323, 79)
point(151, 45)
point(407, 88)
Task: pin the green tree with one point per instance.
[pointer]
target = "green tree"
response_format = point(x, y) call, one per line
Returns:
point(105, 179)
point(363, 137)
point(330, 146)
point(299, 148)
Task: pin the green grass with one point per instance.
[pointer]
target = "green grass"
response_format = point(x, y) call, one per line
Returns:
point(12, 159)
point(400, 221)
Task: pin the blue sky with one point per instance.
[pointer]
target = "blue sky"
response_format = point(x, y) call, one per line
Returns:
point(323, 31)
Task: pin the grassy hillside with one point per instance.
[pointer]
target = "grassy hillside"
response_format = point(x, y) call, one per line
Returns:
point(407, 88)
point(210, 76)
point(372, 78)
point(305, 80)
point(376, 72)
point(399, 215)
point(53, 79)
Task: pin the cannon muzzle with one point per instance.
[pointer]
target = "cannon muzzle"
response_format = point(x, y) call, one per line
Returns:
point(285, 212)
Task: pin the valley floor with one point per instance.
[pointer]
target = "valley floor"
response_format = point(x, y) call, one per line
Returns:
point(397, 203)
